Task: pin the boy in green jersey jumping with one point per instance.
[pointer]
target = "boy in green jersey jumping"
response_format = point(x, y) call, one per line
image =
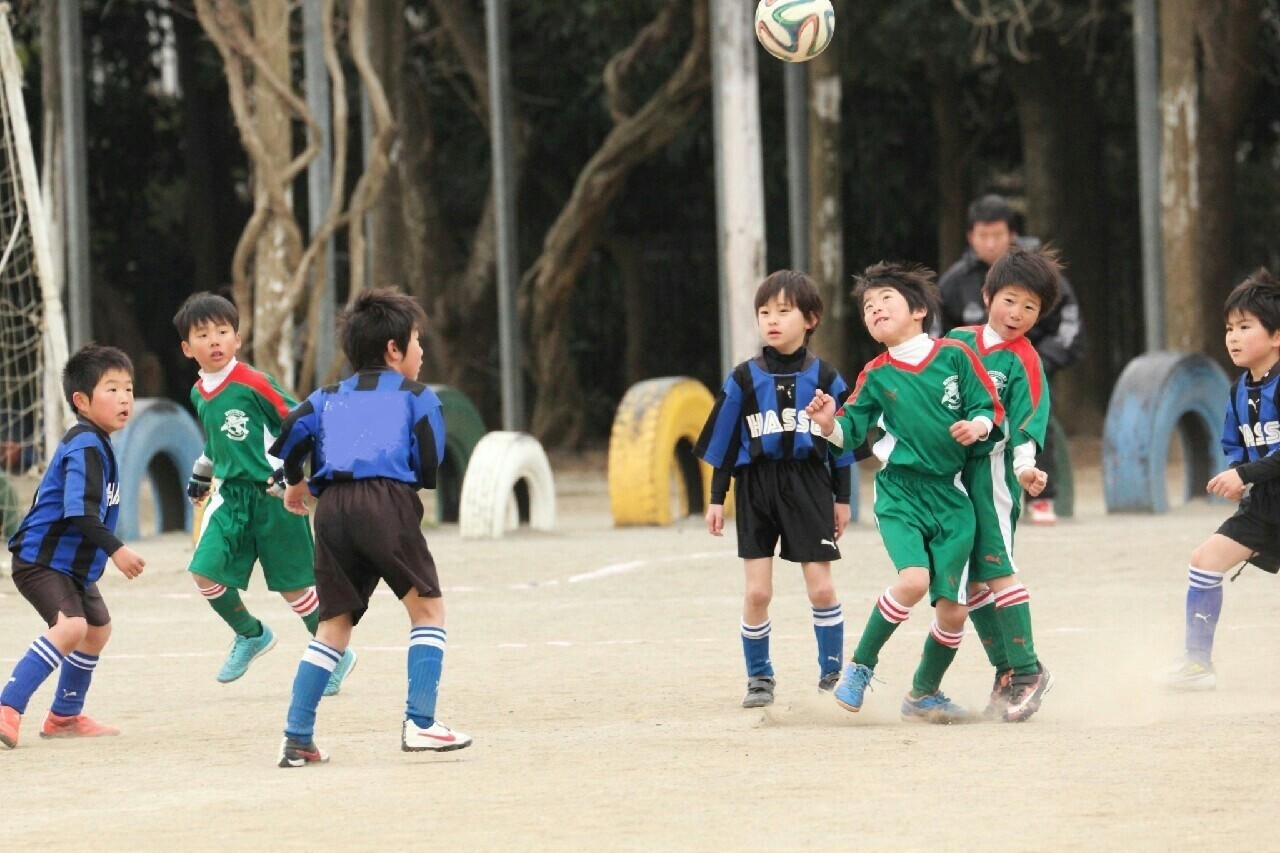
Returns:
point(241, 410)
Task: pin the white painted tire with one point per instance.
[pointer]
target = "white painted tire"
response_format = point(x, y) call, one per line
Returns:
point(504, 467)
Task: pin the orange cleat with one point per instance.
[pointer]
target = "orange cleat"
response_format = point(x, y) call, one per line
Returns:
point(77, 726)
point(10, 719)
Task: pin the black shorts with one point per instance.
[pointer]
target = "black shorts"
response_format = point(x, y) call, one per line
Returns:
point(51, 592)
point(1257, 532)
point(367, 531)
point(787, 499)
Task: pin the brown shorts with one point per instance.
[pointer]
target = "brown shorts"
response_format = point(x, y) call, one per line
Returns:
point(367, 531)
point(52, 592)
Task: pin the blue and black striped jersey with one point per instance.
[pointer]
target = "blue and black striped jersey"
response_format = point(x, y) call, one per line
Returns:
point(760, 415)
point(375, 423)
point(1251, 430)
point(82, 480)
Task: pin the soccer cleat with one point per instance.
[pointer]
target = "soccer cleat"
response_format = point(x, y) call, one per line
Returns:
point(10, 719)
point(1000, 692)
point(296, 754)
point(77, 725)
point(829, 680)
point(244, 650)
point(1041, 512)
point(853, 685)
point(345, 664)
point(759, 691)
point(1188, 674)
point(1026, 691)
point(933, 708)
point(437, 738)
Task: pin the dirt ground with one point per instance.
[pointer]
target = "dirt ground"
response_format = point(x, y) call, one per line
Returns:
point(600, 672)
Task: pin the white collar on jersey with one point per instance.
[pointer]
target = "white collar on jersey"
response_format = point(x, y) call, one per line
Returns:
point(210, 381)
point(914, 350)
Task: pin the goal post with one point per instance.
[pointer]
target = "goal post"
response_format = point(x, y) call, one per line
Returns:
point(33, 339)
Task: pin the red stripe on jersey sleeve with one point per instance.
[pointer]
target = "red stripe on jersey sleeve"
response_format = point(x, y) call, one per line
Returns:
point(258, 381)
point(1030, 359)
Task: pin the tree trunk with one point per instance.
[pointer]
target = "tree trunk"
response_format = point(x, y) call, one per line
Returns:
point(389, 230)
point(826, 205)
point(1061, 153)
point(955, 186)
point(1207, 74)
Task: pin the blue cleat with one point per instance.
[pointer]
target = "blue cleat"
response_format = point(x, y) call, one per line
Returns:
point(345, 664)
point(853, 684)
point(933, 708)
point(244, 650)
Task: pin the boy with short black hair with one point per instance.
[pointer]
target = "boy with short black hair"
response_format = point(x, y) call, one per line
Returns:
point(241, 410)
point(1021, 285)
point(932, 399)
point(1251, 441)
point(790, 485)
point(373, 440)
point(63, 544)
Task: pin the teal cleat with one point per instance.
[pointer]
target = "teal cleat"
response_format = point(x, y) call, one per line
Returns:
point(345, 664)
point(853, 685)
point(244, 650)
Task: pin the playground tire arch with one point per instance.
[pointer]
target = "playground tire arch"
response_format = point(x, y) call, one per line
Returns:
point(158, 446)
point(651, 446)
point(508, 480)
point(1157, 395)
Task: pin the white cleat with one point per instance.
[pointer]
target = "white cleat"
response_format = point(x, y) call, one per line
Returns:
point(437, 738)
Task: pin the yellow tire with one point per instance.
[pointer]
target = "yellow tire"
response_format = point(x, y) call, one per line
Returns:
point(654, 477)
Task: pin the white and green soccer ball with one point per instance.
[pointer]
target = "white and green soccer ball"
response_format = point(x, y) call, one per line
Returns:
point(795, 30)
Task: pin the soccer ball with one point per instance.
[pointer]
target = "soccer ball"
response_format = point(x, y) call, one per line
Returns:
point(795, 30)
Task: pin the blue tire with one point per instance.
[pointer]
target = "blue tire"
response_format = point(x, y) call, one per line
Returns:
point(157, 448)
point(1158, 394)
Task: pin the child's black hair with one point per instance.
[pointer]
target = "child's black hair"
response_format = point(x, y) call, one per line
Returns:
point(1259, 295)
point(1037, 270)
point(800, 290)
point(86, 366)
point(205, 307)
point(913, 281)
point(991, 208)
point(375, 317)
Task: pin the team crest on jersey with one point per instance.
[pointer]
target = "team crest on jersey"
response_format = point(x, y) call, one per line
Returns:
point(236, 425)
point(999, 380)
point(951, 393)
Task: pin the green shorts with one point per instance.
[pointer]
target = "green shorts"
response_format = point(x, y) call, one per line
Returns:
point(926, 522)
point(997, 501)
point(242, 523)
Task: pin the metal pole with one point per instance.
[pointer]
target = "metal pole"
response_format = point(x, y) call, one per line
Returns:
point(1146, 63)
point(796, 99)
point(319, 173)
point(71, 70)
point(504, 187)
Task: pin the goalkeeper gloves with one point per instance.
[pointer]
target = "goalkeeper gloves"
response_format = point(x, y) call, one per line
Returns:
point(201, 480)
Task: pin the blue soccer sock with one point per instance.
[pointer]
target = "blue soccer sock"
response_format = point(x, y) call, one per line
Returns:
point(755, 648)
point(41, 659)
point(828, 627)
point(314, 670)
point(426, 659)
point(1204, 605)
point(73, 684)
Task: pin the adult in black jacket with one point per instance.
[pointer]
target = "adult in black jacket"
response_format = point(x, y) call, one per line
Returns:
point(1058, 337)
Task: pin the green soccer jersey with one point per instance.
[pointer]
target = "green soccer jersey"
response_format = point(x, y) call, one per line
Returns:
point(1019, 378)
point(915, 406)
point(241, 419)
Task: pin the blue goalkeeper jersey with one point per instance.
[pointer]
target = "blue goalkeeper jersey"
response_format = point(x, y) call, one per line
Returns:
point(373, 424)
point(82, 480)
point(760, 415)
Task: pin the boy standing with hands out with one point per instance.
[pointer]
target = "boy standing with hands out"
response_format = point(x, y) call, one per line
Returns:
point(63, 544)
point(933, 400)
point(759, 434)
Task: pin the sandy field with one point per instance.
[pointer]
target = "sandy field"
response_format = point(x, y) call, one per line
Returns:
point(600, 673)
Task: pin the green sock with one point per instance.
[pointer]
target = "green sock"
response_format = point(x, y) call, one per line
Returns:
point(232, 610)
point(312, 621)
point(988, 627)
point(1020, 648)
point(933, 665)
point(874, 636)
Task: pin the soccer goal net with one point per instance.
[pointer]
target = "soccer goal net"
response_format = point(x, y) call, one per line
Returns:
point(33, 343)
